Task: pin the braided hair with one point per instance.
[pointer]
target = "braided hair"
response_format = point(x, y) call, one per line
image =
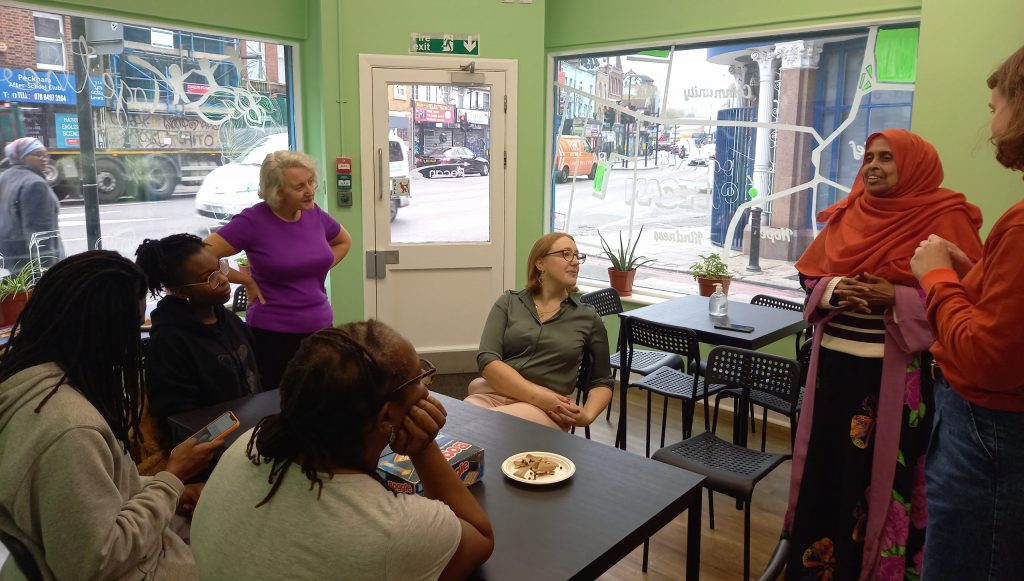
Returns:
point(163, 260)
point(331, 393)
point(84, 315)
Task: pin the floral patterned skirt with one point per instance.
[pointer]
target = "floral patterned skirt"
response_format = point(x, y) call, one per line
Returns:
point(827, 535)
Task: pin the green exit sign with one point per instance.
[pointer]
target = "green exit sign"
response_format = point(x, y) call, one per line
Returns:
point(445, 43)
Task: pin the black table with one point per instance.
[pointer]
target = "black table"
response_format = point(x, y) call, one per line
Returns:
point(691, 311)
point(577, 529)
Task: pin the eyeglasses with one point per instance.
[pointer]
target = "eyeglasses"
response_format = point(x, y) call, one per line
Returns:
point(39, 153)
point(568, 255)
point(427, 371)
point(213, 280)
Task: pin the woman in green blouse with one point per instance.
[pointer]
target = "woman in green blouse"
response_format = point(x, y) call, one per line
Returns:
point(534, 340)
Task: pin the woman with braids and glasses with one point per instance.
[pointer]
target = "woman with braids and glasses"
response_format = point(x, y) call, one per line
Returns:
point(71, 394)
point(534, 340)
point(199, 353)
point(299, 496)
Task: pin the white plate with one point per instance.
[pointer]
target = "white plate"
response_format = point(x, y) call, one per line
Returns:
point(565, 468)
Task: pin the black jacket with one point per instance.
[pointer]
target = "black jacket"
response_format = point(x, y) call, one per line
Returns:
point(190, 365)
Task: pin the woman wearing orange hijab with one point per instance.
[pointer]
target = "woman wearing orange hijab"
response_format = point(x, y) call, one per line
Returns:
point(856, 508)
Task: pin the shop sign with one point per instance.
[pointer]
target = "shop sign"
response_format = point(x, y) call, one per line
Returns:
point(28, 86)
point(477, 117)
point(434, 112)
point(67, 130)
point(196, 88)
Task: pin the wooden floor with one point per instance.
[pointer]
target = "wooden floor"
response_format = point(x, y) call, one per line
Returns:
point(721, 548)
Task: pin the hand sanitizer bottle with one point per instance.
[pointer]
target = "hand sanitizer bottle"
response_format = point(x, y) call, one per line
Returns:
point(718, 305)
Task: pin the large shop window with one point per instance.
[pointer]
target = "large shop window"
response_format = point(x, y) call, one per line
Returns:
point(180, 122)
point(686, 142)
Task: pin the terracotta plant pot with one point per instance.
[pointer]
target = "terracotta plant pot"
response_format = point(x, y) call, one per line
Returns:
point(244, 269)
point(12, 306)
point(622, 281)
point(707, 285)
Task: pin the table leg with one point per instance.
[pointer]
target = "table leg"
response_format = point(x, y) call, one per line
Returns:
point(620, 436)
point(693, 531)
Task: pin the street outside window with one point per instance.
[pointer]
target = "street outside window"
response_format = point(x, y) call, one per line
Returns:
point(180, 122)
point(690, 142)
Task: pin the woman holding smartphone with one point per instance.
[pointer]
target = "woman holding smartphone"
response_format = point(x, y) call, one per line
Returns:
point(975, 467)
point(71, 396)
point(300, 491)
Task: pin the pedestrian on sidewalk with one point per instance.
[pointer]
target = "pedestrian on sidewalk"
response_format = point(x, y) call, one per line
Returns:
point(28, 206)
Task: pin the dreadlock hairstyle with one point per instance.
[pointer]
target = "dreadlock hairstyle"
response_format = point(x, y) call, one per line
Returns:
point(84, 316)
point(331, 393)
point(162, 260)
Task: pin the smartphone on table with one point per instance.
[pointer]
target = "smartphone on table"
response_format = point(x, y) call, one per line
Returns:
point(734, 327)
point(218, 429)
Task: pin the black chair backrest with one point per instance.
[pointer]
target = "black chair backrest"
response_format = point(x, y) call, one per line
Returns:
point(777, 303)
point(661, 337)
point(606, 301)
point(240, 301)
point(756, 371)
point(583, 379)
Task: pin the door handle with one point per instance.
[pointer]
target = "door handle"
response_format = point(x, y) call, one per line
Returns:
point(380, 174)
point(376, 263)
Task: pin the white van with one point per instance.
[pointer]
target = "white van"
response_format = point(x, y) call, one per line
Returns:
point(398, 167)
point(233, 187)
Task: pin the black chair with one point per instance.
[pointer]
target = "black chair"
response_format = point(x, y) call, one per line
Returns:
point(784, 304)
point(606, 301)
point(774, 303)
point(773, 401)
point(734, 469)
point(583, 389)
point(240, 301)
point(665, 381)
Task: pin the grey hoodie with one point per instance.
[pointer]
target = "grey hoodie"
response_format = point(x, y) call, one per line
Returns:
point(71, 495)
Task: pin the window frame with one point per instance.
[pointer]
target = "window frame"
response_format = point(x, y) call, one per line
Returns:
point(679, 43)
point(58, 40)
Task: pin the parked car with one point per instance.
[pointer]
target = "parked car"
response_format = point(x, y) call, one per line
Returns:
point(451, 162)
point(233, 187)
point(574, 157)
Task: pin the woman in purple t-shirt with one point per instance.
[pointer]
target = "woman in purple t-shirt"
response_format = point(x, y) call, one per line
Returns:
point(291, 245)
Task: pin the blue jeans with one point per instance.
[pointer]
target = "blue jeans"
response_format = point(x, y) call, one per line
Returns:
point(975, 487)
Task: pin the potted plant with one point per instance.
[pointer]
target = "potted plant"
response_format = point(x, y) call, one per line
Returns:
point(243, 264)
point(15, 290)
point(624, 262)
point(709, 271)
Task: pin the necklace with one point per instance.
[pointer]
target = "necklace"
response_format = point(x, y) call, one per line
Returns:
point(544, 313)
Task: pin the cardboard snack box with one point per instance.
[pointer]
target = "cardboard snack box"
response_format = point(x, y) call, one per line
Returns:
point(399, 475)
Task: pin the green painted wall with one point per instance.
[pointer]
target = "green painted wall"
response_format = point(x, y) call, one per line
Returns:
point(270, 18)
point(576, 24)
point(958, 50)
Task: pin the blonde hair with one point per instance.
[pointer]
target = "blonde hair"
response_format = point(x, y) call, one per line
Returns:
point(541, 247)
point(272, 173)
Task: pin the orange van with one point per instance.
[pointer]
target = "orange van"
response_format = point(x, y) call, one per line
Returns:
point(574, 157)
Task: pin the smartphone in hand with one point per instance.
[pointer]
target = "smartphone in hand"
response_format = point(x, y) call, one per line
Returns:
point(218, 429)
point(734, 327)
